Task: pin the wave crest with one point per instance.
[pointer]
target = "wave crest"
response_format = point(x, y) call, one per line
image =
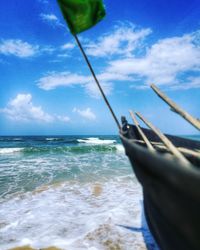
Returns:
point(10, 150)
point(96, 141)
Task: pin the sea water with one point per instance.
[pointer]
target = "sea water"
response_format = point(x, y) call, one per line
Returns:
point(71, 192)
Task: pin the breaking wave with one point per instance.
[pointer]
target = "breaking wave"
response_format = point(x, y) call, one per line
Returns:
point(96, 141)
point(10, 150)
point(65, 149)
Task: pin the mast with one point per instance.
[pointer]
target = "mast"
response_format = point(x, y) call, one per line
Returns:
point(97, 82)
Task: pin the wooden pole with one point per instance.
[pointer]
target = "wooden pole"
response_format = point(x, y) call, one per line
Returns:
point(145, 139)
point(97, 82)
point(195, 122)
point(165, 140)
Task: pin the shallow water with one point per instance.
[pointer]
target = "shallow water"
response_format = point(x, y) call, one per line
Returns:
point(69, 192)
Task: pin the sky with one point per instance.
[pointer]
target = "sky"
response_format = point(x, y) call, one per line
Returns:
point(47, 89)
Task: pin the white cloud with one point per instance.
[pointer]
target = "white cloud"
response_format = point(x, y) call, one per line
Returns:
point(22, 109)
point(54, 80)
point(68, 46)
point(93, 91)
point(47, 50)
point(66, 79)
point(23, 49)
point(51, 18)
point(65, 50)
point(163, 63)
point(63, 118)
point(122, 41)
point(173, 62)
point(190, 83)
point(18, 48)
point(85, 113)
point(106, 81)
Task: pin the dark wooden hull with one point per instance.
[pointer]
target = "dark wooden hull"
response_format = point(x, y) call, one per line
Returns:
point(171, 194)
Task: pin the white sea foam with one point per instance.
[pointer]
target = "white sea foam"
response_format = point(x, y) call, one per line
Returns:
point(120, 148)
point(96, 141)
point(76, 216)
point(79, 214)
point(10, 150)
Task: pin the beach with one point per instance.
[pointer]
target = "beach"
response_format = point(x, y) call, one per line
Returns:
point(69, 192)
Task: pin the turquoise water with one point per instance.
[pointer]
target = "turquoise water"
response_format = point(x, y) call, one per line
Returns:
point(73, 192)
point(27, 163)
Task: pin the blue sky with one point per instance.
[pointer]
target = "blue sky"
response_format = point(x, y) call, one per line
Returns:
point(46, 88)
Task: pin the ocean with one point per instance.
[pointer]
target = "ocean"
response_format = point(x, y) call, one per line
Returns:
point(70, 192)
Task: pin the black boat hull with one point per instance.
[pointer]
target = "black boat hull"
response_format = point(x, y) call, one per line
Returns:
point(171, 195)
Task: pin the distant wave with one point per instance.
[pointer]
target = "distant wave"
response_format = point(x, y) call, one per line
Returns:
point(65, 145)
point(87, 148)
point(60, 140)
point(54, 139)
point(10, 150)
point(10, 139)
point(96, 140)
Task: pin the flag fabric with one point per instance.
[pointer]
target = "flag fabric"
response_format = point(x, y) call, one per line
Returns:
point(81, 15)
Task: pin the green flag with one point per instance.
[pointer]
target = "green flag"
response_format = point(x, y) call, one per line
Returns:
point(81, 15)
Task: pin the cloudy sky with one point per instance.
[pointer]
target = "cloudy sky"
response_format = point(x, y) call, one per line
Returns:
point(46, 88)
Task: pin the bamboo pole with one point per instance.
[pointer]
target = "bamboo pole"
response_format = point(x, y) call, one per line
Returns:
point(145, 139)
point(194, 121)
point(165, 140)
point(97, 82)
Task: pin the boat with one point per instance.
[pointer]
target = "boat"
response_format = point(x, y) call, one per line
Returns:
point(171, 185)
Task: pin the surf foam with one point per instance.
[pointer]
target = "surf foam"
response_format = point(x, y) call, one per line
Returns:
point(72, 216)
point(95, 140)
point(10, 150)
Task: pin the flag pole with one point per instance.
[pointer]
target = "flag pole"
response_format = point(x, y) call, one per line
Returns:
point(97, 82)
